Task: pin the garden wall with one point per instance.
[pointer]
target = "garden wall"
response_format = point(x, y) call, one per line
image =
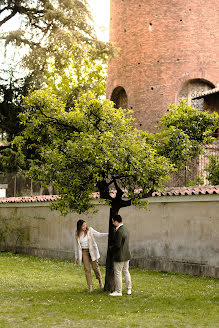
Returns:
point(176, 233)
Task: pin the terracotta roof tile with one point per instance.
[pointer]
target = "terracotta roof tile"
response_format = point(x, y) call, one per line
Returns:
point(173, 191)
point(29, 199)
point(183, 191)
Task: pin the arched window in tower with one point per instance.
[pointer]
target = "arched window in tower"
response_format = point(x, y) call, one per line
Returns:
point(192, 89)
point(119, 97)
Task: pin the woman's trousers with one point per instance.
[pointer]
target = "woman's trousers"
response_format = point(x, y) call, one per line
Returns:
point(87, 267)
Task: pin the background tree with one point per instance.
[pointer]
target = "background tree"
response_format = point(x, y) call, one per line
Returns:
point(94, 147)
point(183, 133)
point(52, 38)
point(213, 170)
point(51, 30)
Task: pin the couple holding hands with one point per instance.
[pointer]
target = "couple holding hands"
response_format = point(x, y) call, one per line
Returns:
point(86, 251)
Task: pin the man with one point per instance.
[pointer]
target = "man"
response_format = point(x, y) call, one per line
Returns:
point(121, 256)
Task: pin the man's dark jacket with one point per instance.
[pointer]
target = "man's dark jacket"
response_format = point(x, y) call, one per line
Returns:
point(121, 251)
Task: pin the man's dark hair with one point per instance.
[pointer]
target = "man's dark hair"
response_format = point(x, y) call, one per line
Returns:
point(117, 218)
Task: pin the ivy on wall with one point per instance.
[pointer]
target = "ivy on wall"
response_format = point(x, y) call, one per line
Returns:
point(14, 232)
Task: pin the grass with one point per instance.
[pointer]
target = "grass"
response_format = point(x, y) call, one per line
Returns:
point(36, 292)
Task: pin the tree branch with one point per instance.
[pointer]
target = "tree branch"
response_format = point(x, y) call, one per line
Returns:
point(120, 177)
point(104, 190)
point(97, 122)
point(56, 121)
point(7, 18)
point(3, 147)
point(125, 203)
point(22, 11)
point(6, 8)
point(119, 192)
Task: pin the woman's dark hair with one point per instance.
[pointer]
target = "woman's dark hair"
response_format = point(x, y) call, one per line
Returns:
point(117, 218)
point(79, 225)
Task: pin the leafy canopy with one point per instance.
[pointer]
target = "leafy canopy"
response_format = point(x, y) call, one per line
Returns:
point(184, 131)
point(51, 29)
point(94, 146)
point(51, 37)
point(57, 48)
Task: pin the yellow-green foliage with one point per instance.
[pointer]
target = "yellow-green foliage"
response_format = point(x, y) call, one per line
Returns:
point(213, 170)
point(94, 145)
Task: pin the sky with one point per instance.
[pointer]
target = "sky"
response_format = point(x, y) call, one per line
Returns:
point(100, 10)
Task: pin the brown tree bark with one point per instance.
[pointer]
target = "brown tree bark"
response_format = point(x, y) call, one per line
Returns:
point(116, 204)
point(109, 275)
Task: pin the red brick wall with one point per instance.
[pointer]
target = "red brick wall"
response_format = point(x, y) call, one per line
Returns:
point(162, 44)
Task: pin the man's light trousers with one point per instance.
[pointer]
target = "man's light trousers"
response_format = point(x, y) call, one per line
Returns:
point(119, 268)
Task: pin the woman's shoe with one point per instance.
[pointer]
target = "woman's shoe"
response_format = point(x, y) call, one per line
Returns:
point(90, 288)
point(101, 284)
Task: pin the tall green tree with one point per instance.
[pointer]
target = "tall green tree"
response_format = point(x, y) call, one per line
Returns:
point(51, 29)
point(57, 47)
point(95, 147)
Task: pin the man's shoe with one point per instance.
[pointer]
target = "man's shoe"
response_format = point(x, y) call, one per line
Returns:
point(129, 291)
point(115, 294)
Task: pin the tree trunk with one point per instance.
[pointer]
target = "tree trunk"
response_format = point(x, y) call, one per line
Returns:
point(109, 277)
point(116, 204)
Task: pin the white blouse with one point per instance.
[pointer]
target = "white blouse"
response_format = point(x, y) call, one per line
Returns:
point(84, 239)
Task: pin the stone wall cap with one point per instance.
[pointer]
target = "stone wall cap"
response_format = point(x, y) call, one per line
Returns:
point(30, 199)
point(187, 191)
point(172, 191)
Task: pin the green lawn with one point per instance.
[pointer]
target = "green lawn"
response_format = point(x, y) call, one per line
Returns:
point(37, 292)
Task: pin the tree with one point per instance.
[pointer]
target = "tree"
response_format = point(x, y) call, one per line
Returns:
point(53, 38)
point(51, 29)
point(183, 132)
point(95, 147)
point(213, 170)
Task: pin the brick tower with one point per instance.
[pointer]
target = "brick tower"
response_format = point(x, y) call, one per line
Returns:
point(167, 50)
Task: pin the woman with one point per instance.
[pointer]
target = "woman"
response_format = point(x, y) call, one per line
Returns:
point(86, 250)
